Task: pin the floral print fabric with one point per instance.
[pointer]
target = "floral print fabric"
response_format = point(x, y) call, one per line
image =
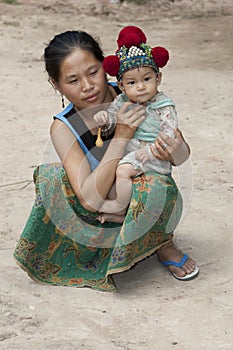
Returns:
point(63, 243)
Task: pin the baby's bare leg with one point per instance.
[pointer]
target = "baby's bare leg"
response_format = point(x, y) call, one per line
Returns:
point(124, 175)
point(112, 192)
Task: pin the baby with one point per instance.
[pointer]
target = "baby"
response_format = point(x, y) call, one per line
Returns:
point(136, 67)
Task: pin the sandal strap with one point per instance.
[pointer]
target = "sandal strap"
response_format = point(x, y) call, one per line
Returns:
point(174, 263)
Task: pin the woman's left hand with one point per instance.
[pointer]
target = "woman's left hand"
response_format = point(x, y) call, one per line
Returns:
point(175, 150)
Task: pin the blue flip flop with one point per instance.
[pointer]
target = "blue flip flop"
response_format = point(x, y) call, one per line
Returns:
point(188, 276)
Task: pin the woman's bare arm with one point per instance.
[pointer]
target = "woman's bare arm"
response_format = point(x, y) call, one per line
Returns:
point(92, 188)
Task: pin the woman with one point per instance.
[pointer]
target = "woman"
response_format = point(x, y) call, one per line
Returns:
point(63, 243)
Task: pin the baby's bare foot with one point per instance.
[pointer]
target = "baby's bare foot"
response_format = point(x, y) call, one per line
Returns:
point(110, 218)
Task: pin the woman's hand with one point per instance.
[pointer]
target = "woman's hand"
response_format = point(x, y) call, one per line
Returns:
point(128, 119)
point(175, 150)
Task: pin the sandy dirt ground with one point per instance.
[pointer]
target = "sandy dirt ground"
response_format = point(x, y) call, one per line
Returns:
point(152, 310)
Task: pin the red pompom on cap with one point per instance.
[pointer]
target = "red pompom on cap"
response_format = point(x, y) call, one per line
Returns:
point(160, 55)
point(111, 65)
point(132, 40)
point(131, 36)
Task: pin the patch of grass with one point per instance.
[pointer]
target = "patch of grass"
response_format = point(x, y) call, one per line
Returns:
point(10, 2)
point(137, 2)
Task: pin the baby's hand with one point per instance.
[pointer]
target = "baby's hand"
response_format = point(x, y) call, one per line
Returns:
point(101, 118)
point(142, 155)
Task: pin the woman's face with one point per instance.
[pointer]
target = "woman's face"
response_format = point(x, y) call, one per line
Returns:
point(83, 80)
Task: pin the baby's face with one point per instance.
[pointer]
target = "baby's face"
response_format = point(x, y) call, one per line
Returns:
point(140, 84)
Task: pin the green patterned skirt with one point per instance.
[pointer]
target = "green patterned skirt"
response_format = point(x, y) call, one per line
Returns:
point(63, 243)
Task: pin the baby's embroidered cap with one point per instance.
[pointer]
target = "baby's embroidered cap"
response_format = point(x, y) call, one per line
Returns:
point(134, 52)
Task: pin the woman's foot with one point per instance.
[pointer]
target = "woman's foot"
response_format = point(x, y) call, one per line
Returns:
point(169, 253)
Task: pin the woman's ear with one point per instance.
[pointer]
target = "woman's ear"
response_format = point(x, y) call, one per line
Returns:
point(54, 84)
point(120, 85)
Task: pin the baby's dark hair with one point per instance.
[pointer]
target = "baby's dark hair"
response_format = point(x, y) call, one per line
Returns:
point(62, 45)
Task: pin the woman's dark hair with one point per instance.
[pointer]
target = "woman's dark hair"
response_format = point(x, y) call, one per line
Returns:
point(62, 45)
